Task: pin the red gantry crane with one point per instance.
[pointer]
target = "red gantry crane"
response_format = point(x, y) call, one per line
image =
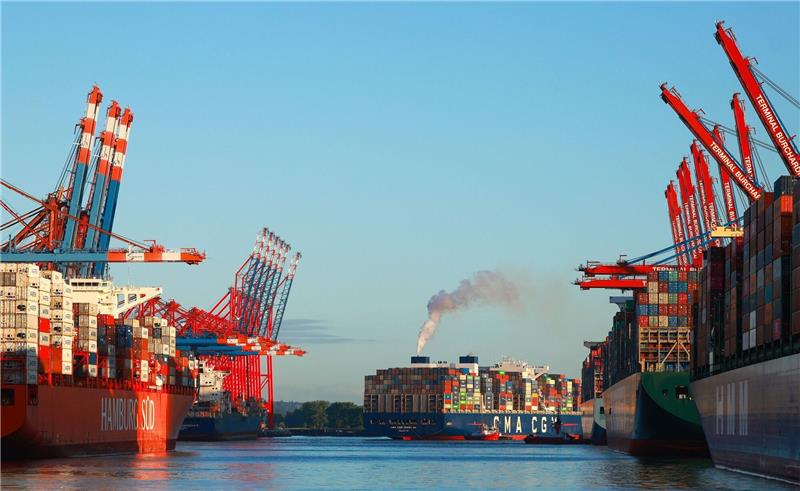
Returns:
point(746, 73)
point(242, 328)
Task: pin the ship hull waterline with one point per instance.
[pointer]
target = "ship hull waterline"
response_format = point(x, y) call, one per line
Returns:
point(43, 421)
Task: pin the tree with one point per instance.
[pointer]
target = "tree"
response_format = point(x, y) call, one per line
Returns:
point(344, 415)
point(314, 413)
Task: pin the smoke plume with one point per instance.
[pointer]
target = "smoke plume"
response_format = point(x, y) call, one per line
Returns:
point(485, 287)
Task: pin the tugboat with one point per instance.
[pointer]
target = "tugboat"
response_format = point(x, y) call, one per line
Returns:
point(559, 438)
point(485, 433)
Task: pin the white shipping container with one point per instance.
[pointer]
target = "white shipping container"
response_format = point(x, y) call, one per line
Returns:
point(93, 370)
point(66, 367)
point(32, 335)
point(53, 276)
point(44, 339)
point(66, 355)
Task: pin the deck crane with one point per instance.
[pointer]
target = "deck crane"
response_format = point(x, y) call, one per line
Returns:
point(746, 73)
point(706, 189)
point(689, 207)
point(676, 223)
point(726, 161)
point(743, 136)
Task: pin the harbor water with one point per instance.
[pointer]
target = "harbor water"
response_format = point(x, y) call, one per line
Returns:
point(372, 463)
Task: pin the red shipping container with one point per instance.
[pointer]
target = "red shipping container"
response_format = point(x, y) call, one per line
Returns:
point(683, 298)
point(44, 325)
point(644, 321)
point(45, 359)
point(776, 329)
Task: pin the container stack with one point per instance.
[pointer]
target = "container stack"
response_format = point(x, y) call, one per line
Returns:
point(62, 326)
point(44, 332)
point(85, 353)
point(592, 371)
point(708, 338)
point(795, 262)
point(732, 319)
point(766, 268)
point(756, 279)
point(19, 321)
point(663, 332)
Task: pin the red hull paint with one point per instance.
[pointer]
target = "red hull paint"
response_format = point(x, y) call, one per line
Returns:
point(63, 421)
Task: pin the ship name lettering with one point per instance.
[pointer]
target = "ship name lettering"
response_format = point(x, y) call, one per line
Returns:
point(534, 424)
point(519, 425)
point(507, 424)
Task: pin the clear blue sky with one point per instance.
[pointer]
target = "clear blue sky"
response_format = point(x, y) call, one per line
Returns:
point(401, 147)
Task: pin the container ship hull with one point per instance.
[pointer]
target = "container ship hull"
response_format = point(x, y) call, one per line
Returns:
point(751, 417)
point(651, 414)
point(228, 426)
point(593, 421)
point(462, 426)
point(40, 421)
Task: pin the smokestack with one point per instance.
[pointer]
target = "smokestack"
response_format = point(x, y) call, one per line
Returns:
point(485, 287)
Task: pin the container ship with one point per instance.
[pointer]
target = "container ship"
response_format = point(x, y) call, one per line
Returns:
point(746, 369)
point(593, 414)
point(215, 416)
point(79, 379)
point(646, 355)
point(464, 401)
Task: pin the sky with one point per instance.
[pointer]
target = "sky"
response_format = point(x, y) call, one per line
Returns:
point(400, 146)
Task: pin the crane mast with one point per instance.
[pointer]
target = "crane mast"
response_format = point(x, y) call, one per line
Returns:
point(766, 111)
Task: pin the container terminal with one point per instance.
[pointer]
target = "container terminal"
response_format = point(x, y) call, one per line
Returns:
point(89, 367)
point(704, 352)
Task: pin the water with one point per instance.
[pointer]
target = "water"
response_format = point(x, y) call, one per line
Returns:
point(366, 463)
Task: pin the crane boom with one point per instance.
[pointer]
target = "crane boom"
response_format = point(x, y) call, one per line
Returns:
point(117, 166)
point(720, 154)
point(81, 165)
point(676, 222)
point(690, 213)
point(101, 173)
point(706, 190)
point(725, 182)
point(743, 135)
point(766, 112)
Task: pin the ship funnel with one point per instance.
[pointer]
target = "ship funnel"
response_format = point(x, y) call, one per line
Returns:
point(415, 360)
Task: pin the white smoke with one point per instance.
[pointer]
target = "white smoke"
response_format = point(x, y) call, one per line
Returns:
point(485, 287)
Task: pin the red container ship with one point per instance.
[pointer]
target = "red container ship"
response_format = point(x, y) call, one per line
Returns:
point(42, 420)
point(77, 378)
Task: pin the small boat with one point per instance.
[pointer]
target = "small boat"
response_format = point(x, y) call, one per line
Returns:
point(485, 434)
point(558, 439)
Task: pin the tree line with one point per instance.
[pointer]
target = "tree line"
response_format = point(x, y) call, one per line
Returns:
point(323, 414)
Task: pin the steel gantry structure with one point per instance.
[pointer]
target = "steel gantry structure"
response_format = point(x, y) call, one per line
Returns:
point(71, 228)
point(238, 335)
point(690, 234)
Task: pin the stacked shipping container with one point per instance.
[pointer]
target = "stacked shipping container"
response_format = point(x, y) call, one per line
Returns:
point(465, 387)
point(749, 302)
point(44, 330)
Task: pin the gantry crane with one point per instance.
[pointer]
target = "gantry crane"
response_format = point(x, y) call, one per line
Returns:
point(62, 232)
